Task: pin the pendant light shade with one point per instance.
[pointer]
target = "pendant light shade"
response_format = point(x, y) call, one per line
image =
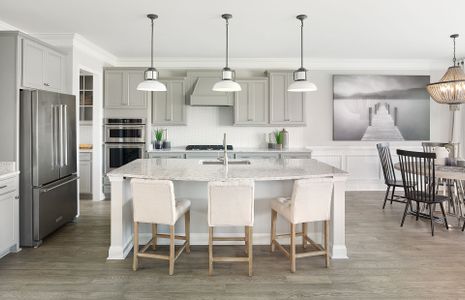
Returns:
point(227, 83)
point(151, 83)
point(301, 84)
point(451, 88)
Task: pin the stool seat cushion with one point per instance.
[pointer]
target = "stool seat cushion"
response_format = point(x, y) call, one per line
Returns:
point(282, 206)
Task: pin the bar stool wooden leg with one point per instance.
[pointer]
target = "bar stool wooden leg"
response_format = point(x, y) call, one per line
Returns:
point(250, 250)
point(135, 261)
point(187, 229)
point(274, 216)
point(304, 235)
point(292, 246)
point(172, 250)
point(210, 250)
point(154, 236)
point(327, 243)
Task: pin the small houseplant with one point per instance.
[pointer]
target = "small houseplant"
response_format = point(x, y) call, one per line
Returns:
point(158, 138)
point(279, 136)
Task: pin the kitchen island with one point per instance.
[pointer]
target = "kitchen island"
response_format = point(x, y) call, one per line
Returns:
point(273, 178)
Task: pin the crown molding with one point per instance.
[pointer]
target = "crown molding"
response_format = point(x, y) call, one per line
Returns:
point(287, 63)
point(8, 27)
point(94, 50)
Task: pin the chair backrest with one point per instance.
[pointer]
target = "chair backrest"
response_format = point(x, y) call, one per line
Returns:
point(386, 162)
point(418, 174)
point(430, 146)
point(153, 201)
point(311, 200)
point(231, 203)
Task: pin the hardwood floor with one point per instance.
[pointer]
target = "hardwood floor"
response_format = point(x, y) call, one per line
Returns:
point(386, 262)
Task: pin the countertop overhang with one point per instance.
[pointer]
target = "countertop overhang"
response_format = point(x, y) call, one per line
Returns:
point(258, 170)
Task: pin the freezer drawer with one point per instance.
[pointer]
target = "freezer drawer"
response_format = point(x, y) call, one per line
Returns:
point(54, 205)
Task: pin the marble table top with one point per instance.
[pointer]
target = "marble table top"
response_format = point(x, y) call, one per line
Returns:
point(445, 172)
point(259, 170)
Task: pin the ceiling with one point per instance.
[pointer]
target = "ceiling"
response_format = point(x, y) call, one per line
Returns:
point(335, 29)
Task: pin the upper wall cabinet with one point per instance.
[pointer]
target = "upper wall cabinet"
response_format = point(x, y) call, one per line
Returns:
point(121, 89)
point(42, 67)
point(169, 108)
point(286, 108)
point(251, 103)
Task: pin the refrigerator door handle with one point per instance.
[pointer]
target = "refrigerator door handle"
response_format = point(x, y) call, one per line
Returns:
point(60, 124)
point(65, 132)
point(45, 190)
point(55, 129)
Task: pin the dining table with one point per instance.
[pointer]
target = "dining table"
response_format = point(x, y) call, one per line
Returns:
point(452, 179)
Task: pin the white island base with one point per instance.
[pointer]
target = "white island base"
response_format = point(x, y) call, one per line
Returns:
point(273, 178)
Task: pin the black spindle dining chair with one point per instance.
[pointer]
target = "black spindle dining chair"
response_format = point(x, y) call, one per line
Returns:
point(389, 174)
point(419, 180)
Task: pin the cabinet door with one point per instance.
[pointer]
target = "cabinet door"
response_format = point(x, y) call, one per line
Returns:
point(286, 108)
point(135, 98)
point(33, 65)
point(251, 103)
point(85, 181)
point(53, 73)
point(114, 89)
point(7, 221)
point(169, 108)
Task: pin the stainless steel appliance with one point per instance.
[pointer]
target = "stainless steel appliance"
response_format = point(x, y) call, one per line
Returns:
point(124, 141)
point(48, 164)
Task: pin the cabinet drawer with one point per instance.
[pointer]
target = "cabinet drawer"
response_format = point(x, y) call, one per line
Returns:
point(166, 155)
point(7, 186)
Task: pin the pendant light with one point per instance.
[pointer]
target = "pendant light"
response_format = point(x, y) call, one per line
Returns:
point(301, 84)
point(451, 88)
point(151, 83)
point(227, 83)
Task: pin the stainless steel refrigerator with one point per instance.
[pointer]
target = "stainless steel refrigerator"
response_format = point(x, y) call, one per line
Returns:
point(48, 178)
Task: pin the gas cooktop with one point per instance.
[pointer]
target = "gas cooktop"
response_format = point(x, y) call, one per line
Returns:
point(208, 147)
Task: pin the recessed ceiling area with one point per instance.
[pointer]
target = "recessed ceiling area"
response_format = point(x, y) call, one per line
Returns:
point(355, 29)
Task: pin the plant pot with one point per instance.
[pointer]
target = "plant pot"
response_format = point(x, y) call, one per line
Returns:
point(157, 145)
point(279, 146)
point(166, 145)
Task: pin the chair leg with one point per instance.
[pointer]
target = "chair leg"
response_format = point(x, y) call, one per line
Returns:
point(135, 261)
point(327, 243)
point(444, 215)
point(172, 250)
point(250, 250)
point(154, 236)
point(431, 218)
point(304, 234)
point(392, 195)
point(386, 195)
point(418, 211)
point(274, 216)
point(187, 229)
point(463, 228)
point(210, 250)
point(246, 237)
point(405, 213)
point(292, 248)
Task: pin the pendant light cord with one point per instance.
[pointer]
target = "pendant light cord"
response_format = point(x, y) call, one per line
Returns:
point(151, 47)
point(227, 43)
point(454, 59)
point(301, 44)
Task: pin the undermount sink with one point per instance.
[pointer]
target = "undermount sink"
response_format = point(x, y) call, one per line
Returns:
point(230, 162)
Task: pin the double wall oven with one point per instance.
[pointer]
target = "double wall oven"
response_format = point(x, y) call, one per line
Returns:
point(124, 141)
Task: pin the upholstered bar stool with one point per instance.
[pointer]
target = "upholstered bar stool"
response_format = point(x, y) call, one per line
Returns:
point(154, 203)
point(310, 202)
point(230, 203)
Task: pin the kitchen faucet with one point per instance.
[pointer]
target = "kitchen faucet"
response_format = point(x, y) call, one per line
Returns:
point(225, 146)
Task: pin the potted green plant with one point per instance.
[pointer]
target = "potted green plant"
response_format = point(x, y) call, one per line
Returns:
point(279, 136)
point(158, 138)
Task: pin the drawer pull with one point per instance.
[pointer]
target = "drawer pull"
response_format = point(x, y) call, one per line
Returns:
point(2, 187)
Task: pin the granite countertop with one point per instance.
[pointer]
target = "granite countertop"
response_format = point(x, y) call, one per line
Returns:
point(259, 170)
point(7, 169)
point(235, 150)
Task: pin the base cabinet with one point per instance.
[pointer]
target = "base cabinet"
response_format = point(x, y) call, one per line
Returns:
point(9, 216)
point(85, 174)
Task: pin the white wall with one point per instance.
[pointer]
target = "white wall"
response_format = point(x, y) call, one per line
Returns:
point(206, 125)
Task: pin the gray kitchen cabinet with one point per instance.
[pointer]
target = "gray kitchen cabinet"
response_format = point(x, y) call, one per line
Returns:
point(120, 89)
point(9, 215)
point(42, 67)
point(169, 108)
point(297, 155)
point(162, 154)
point(256, 155)
point(85, 173)
point(286, 108)
point(251, 103)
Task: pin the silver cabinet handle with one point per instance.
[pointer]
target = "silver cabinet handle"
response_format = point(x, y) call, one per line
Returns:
point(58, 185)
point(65, 107)
point(3, 186)
point(60, 124)
point(46, 84)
